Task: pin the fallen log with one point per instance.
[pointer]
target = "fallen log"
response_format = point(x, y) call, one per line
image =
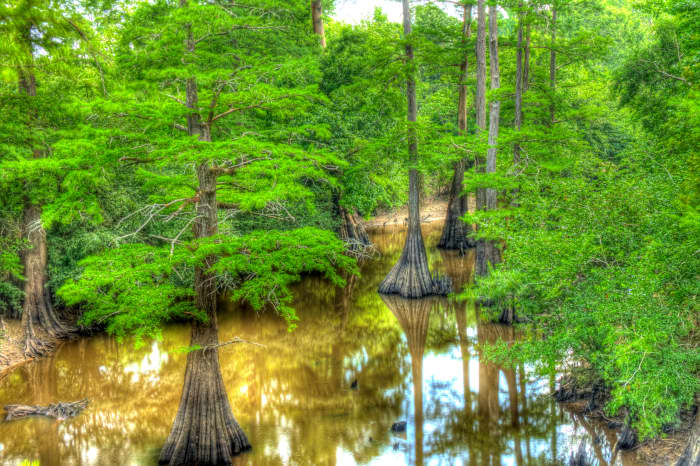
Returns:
point(59, 410)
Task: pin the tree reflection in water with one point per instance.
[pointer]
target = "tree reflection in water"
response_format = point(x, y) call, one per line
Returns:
point(294, 397)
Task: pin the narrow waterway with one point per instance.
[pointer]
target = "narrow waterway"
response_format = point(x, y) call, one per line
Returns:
point(324, 394)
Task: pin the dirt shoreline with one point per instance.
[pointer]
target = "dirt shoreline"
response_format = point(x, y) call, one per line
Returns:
point(11, 347)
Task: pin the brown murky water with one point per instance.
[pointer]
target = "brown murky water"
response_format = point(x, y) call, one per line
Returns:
point(414, 361)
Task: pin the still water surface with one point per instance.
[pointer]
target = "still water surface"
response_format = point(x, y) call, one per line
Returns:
point(413, 360)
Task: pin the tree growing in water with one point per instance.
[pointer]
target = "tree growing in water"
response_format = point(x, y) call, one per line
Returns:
point(410, 277)
point(210, 90)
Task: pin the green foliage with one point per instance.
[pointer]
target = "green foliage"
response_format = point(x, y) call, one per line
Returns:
point(148, 286)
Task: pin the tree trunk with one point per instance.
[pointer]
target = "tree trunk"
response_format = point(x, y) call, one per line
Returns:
point(480, 97)
point(37, 309)
point(456, 233)
point(352, 231)
point(691, 454)
point(205, 431)
point(553, 64)
point(526, 65)
point(317, 19)
point(487, 252)
point(518, 83)
point(410, 277)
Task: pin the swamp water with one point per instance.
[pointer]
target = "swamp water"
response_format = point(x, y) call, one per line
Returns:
point(412, 360)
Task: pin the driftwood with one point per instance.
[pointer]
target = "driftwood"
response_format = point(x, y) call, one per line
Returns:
point(59, 410)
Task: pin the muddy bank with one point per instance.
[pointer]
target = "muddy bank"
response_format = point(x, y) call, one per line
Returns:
point(11, 346)
point(586, 400)
point(431, 211)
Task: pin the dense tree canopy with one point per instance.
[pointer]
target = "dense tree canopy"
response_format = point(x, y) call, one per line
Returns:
point(156, 156)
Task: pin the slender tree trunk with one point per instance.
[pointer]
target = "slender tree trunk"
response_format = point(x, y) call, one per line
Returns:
point(456, 233)
point(526, 65)
point(518, 83)
point(480, 95)
point(410, 277)
point(487, 252)
point(204, 431)
point(553, 64)
point(37, 311)
point(317, 19)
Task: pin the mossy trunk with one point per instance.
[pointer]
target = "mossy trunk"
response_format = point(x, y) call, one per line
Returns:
point(204, 432)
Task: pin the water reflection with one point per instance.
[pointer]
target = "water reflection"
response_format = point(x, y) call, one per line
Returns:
point(412, 360)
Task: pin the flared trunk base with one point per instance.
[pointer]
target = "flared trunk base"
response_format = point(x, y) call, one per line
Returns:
point(352, 231)
point(204, 433)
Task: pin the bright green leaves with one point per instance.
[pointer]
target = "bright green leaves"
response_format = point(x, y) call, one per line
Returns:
point(136, 288)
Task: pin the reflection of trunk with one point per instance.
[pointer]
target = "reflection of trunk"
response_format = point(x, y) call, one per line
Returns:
point(461, 318)
point(42, 379)
point(487, 252)
point(414, 317)
point(317, 19)
point(410, 277)
point(455, 232)
point(459, 267)
point(205, 431)
point(514, 415)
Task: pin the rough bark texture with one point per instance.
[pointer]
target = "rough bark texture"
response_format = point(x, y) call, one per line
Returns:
point(455, 232)
point(352, 231)
point(526, 58)
point(480, 99)
point(205, 431)
point(37, 310)
point(691, 454)
point(410, 277)
point(553, 63)
point(487, 252)
point(317, 18)
point(518, 83)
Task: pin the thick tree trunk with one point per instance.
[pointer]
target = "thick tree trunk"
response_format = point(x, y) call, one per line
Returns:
point(317, 19)
point(205, 431)
point(487, 252)
point(456, 233)
point(410, 277)
point(37, 310)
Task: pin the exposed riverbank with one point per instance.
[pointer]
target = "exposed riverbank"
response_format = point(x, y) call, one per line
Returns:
point(11, 351)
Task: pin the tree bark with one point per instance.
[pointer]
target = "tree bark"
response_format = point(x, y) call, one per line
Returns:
point(553, 64)
point(410, 277)
point(456, 233)
point(691, 454)
point(204, 431)
point(37, 310)
point(526, 65)
point(352, 231)
point(487, 252)
point(480, 95)
point(518, 83)
point(317, 19)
